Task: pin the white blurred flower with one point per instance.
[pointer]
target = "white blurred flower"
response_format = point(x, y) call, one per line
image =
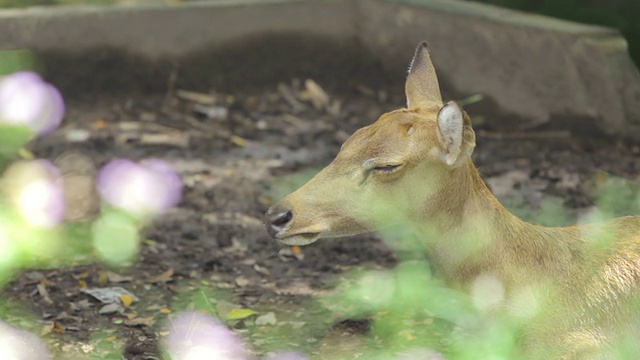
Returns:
point(196, 336)
point(34, 190)
point(38, 201)
point(487, 292)
point(145, 188)
point(287, 355)
point(420, 354)
point(21, 345)
point(25, 99)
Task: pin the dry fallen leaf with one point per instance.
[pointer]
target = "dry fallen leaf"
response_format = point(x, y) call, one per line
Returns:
point(266, 319)
point(64, 316)
point(47, 329)
point(242, 281)
point(223, 308)
point(164, 277)
point(99, 124)
point(225, 285)
point(504, 184)
point(111, 309)
point(53, 326)
point(81, 305)
point(292, 251)
point(126, 300)
point(261, 270)
point(141, 321)
point(316, 94)
point(82, 275)
point(117, 278)
point(237, 140)
point(103, 278)
point(108, 295)
point(42, 290)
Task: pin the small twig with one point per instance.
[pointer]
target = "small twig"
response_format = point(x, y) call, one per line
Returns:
point(294, 120)
point(176, 139)
point(288, 96)
point(190, 120)
point(196, 97)
point(171, 84)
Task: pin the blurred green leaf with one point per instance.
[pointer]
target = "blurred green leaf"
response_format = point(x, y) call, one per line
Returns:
point(12, 139)
point(238, 314)
point(16, 60)
point(115, 237)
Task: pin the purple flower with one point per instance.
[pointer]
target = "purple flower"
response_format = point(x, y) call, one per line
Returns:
point(141, 189)
point(196, 336)
point(21, 345)
point(34, 188)
point(25, 99)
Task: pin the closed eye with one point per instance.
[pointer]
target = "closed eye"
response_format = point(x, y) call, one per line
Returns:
point(387, 168)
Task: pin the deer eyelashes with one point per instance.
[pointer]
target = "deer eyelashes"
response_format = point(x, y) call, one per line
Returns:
point(387, 168)
point(373, 166)
point(380, 167)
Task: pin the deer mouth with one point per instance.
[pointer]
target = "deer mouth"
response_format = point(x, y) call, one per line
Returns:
point(299, 239)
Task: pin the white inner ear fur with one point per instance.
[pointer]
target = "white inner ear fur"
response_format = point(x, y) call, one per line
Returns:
point(450, 125)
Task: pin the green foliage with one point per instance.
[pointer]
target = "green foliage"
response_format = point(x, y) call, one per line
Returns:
point(16, 60)
point(27, 3)
point(12, 139)
point(115, 237)
point(618, 197)
point(24, 3)
point(412, 310)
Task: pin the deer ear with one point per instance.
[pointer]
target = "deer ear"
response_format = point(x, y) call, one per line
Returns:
point(422, 87)
point(455, 134)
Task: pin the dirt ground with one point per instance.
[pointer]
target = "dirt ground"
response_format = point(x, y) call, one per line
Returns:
point(237, 154)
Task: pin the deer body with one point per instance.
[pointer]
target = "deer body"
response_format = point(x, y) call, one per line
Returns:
point(413, 167)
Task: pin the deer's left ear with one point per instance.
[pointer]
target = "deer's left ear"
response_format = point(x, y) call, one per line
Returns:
point(455, 134)
point(422, 87)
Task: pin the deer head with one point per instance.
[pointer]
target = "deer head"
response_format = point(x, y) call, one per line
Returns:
point(406, 167)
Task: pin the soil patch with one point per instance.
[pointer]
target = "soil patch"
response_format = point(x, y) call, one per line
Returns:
point(238, 152)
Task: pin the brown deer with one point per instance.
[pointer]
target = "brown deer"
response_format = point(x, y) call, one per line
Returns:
point(413, 167)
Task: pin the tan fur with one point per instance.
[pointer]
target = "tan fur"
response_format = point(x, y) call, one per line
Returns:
point(584, 279)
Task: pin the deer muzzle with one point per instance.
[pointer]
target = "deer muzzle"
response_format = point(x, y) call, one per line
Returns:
point(280, 224)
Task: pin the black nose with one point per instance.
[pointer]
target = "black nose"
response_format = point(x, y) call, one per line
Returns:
point(277, 221)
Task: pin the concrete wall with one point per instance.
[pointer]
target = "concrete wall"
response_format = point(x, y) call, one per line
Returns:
point(157, 31)
point(531, 68)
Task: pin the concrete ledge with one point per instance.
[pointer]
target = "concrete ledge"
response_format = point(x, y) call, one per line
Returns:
point(156, 31)
point(530, 68)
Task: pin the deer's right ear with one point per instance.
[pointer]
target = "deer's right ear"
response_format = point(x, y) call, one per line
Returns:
point(455, 134)
point(422, 88)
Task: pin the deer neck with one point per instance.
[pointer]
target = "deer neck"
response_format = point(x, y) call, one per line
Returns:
point(471, 233)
